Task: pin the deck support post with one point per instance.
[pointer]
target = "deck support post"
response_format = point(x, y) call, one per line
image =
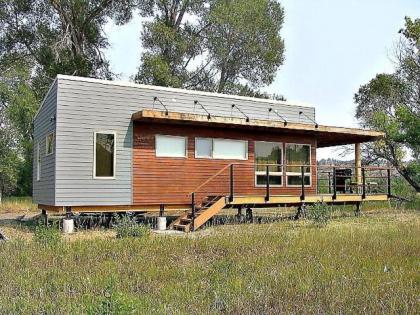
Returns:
point(358, 207)
point(239, 211)
point(44, 216)
point(161, 210)
point(388, 173)
point(68, 212)
point(301, 212)
point(357, 164)
point(249, 215)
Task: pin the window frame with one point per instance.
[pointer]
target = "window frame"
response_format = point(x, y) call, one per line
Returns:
point(295, 173)
point(281, 174)
point(212, 149)
point(53, 143)
point(239, 159)
point(169, 156)
point(110, 132)
point(195, 148)
point(38, 161)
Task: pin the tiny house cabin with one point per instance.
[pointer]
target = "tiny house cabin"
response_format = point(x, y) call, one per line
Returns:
point(114, 146)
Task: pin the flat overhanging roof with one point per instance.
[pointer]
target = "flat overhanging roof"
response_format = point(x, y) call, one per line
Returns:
point(326, 136)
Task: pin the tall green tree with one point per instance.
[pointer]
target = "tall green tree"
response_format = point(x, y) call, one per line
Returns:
point(391, 103)
point(40, 39)
point(9, 158)
point(226, 46)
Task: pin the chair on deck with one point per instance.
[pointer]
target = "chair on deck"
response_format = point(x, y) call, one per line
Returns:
point(343, 180)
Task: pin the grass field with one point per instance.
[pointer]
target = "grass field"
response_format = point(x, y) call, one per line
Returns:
point(369, 264)
point(17, 204)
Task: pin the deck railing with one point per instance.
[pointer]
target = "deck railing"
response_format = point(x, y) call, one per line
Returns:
point(270, 179)
point(241, 179)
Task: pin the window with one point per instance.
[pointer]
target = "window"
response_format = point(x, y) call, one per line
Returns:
point(221, 149)
point(268, 154)
point(171, 146)
point(230, 149)
point(105, 154)
point(49, 144)
point(38, 162)
point(298, 155)
point(203, 147)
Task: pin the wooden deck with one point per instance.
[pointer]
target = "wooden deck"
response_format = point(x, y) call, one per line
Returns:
point(251, 200)
point(287, 199)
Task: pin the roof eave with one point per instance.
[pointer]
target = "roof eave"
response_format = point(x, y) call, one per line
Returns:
point(337, 135)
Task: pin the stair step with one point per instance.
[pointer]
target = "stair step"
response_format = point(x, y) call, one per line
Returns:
point(186, 221)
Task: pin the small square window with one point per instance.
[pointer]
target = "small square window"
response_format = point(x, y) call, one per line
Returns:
point(203, 147)
point(171, 146)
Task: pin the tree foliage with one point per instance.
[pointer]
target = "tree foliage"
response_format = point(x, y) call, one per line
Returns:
point(40, 39)
point(213, 45)
point(391, 103)
point(9, 157)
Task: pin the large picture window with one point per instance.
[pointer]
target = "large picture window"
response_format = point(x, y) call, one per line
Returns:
point(298, 155)
point(49, 144)
point(105, 154)
point(171, 146)
point(268, 154)
point(221, 149)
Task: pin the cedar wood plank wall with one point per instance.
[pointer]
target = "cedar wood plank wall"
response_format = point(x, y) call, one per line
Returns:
point(171, 180)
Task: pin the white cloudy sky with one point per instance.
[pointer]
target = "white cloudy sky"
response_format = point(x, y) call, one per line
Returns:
point(332, 47)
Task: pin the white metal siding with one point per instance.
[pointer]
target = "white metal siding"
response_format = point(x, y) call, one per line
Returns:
point(44, 123)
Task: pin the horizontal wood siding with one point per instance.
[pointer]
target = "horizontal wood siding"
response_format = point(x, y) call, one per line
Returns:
point(44, 190)
point(171, 180)
point(86, 107)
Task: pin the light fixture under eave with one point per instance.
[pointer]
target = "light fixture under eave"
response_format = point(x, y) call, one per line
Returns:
point(276, 112)
point(202, 106)
point(164, 106)
point(302, 113)
point(237, 107)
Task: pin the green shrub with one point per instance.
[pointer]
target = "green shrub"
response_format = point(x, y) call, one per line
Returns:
point(47, 236)
point(126, 226)
point(112, 302)
point(319, 213)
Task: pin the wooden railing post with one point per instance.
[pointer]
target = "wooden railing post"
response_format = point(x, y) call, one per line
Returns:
point(192, 211)
point(302, 171)
point(389, 181)
point(231, 183)
point(329, 182)
point(267, 186)
point(363, 183)
point(334, 184)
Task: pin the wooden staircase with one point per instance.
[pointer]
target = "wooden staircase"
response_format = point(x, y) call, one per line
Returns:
point(210, 207)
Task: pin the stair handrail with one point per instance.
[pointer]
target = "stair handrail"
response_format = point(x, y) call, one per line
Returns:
point(211, 178)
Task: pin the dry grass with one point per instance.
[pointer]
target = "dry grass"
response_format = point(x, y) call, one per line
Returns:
point(17, 205)
point(354, 265)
